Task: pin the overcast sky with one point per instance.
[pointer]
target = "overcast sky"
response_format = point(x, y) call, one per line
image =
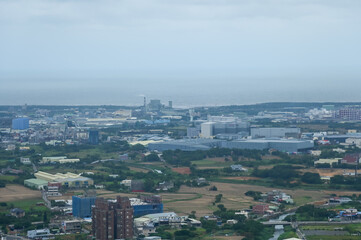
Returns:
point(191, 51)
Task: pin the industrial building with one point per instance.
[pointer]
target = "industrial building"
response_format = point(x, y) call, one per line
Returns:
point(275, 132)
point(184, 145)
point(146, 205)
point(20, 123)
point(60, 159)
point(284, 145)
point(35, 183)
point(212, 128)
point(82, 206)
point(112, 220)
point(67, 179)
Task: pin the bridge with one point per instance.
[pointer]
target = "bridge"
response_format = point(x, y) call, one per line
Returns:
point(276, 223)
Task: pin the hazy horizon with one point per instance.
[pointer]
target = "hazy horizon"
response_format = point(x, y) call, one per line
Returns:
point(194, 53)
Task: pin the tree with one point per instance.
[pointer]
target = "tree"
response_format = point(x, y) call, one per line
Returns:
point(311, 178)
point(153, 157)
point(218, 198)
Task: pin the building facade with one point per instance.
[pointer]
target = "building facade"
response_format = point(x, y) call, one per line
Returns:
point(112, 220)
point(20, 123)
point(82, 206)
point(94, 137)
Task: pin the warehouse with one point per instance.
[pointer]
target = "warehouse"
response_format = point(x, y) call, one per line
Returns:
point(35, 183)
point(67, 179)
point(184, 145)
point(284, 145)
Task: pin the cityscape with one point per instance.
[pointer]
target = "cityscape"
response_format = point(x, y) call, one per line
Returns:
point(155, 171)
point(180, 120)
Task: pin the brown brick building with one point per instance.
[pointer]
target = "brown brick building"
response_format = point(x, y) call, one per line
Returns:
point(112, 220)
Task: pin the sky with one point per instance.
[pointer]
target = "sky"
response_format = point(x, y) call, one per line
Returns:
point(194, 52)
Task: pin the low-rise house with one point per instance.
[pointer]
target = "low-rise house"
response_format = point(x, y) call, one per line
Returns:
point(123, 157)
point(329, 161)
point(352, 159)
point(73, 226)
point(191, 222)
point(279, 196)
point(238, 167)
point(165, 186)
point(17, 212)
point(244, 212)
point(315, 152)
point(53, 191)
point(126, 183)
point(338, 200)
point(260, 209)
point(232, 221)
point(25, 161)
point(39, 234)
point(201, 181)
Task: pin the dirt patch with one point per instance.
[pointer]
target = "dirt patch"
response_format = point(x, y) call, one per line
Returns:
point(210, 167)
point(138, 169)
point(242, 178)
point(17, 192)
point(326, 172)
point(183, 170)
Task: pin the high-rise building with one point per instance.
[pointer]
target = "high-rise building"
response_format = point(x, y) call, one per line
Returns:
point(82, 206)
point(112, 220)
point(20, 123)
point(94, 137)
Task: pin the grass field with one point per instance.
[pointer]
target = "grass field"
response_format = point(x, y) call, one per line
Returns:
point(332, 237)
point(212, 162)
point(8, 178)
point(356, 227)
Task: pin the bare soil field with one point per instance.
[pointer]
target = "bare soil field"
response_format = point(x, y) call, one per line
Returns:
point(138, 169)
point(326, 171)
point(17, 192)
point(242, 178)
point(182, 170)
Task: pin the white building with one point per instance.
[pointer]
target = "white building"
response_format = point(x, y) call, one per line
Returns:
point(25, 161)
point(207, 129)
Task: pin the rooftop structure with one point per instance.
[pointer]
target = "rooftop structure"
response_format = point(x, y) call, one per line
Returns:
point(146, 205)
point(36, 183)
point(61, 160)
point(184, 144)
point(67, 179)
point(39, 234)
point(284, 145)
point(275, 132)
point(112, 220)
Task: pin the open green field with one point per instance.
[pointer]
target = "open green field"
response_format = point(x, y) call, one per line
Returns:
point(212, 162)
point(9, 178)
point(27, 205)
point(352, 227)
point(320, 237)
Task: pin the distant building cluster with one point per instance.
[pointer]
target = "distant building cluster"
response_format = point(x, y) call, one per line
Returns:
point(284, 145)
